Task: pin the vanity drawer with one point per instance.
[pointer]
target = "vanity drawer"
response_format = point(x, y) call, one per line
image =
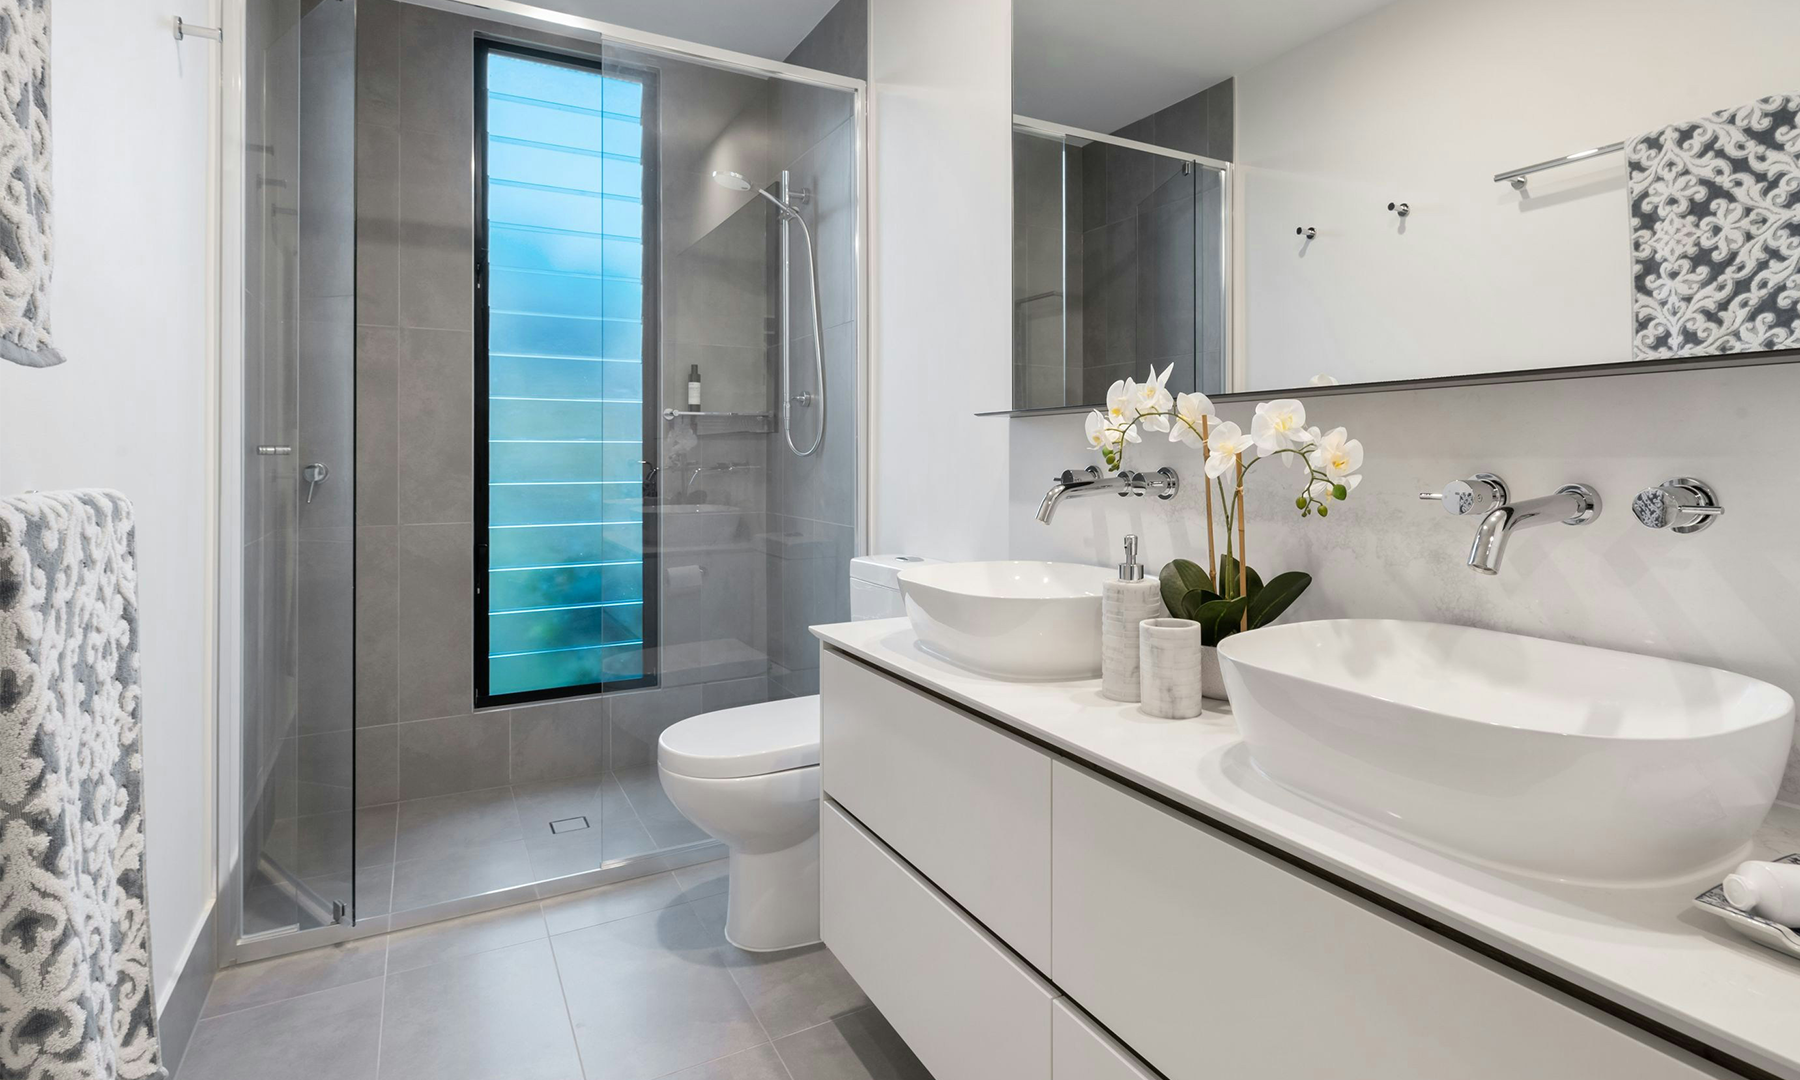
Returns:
point(1212, 959)
point(965, 1005)
point(1079, 1050)
point(963, 801)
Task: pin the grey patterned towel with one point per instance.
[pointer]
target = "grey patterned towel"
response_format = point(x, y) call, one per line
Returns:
point(76, 1001)
point(25, 248)
point(1715, 233)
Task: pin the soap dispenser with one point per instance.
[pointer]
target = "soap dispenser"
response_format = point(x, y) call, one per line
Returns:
point(1124, 603)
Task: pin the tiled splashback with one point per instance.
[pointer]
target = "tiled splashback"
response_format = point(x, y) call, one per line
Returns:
point(1728, 597)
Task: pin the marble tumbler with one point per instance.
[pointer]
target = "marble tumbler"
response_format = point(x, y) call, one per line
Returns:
point(1169, 667)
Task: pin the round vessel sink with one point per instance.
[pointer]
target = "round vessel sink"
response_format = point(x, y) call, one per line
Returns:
point(1012, 620)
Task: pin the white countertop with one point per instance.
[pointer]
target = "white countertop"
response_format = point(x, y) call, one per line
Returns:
point(1646, 949)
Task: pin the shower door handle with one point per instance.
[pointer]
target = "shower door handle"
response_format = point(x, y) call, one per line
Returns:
point(314, 475)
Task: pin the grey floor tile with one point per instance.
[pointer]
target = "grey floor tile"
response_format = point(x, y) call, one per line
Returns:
point(609, 903)
point(422, 882)
point(335, 1033)
point(554, 856)
point(650, 995)
point(249, 985)
point(449, 824)
point(598, 798)
point(486, 932)
point(860, 1046)
point(795, 989)
point(704, 879)
point(756, 1063)
point(483, 1017)
point(711, 911)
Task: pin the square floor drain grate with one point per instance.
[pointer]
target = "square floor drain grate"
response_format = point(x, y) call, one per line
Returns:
point(569, 824)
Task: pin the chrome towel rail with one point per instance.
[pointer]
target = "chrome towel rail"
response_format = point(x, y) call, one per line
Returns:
point(1516, 177)
point(185, 30)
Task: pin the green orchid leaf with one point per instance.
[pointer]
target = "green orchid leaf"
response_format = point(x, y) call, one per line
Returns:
point(1178, 579)
point(1276, 596)
point(1228, 580)
point(1192, 601)
point(1219, 619)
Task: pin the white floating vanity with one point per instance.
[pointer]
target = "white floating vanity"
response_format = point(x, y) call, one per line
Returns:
point(1035, 883)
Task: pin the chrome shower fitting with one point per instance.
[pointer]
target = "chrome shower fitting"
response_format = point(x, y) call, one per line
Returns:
point(1684, 505)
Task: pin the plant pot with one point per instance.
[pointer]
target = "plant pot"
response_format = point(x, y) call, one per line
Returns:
point(1212, 680)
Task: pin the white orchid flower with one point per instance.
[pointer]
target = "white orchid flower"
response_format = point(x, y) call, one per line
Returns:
point(1190, 409)
point(1121, 402)
point(1153, 399)
point(1323, 380)
point(1227, 442)
point(1101, 435)
point(1338, 456)
point(1279, 425)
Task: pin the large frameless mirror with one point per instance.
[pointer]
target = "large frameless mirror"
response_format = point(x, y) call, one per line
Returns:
point(1425, 190)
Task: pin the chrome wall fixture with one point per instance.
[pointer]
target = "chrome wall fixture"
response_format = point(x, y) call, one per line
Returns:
point(184, 30)
point(1307, 231)
point(1684, 505)
point(1516, 177)
point(1486, 495)
point(1078, 483)
point(1403, 209)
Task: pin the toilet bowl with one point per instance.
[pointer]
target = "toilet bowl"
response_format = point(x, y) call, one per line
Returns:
point(749, 777)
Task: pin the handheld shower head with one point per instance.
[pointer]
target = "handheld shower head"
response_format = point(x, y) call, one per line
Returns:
point(737, 181)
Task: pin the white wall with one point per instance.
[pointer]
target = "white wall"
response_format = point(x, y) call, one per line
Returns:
point(941, 286)
point(129, 108)
point(1728, 597)
point(1423, 101)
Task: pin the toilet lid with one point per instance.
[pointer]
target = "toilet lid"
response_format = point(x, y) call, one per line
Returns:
point(751, 740)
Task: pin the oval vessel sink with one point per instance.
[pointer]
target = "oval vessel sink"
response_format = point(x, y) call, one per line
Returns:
point(1559, 760)
point(1012, 620)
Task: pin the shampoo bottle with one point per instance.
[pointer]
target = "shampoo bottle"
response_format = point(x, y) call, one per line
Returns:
point(1124, 603)
point(694, 387)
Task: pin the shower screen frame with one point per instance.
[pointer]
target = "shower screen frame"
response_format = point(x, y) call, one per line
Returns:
point(225, 931)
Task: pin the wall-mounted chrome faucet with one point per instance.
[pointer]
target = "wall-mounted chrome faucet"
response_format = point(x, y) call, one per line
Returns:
point(1684, 504)
point(1075, 484)
point(1487, 495)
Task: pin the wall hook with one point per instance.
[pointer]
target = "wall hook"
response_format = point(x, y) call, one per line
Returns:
point(1306, 230)
point(1400, 208)
point(185, 30)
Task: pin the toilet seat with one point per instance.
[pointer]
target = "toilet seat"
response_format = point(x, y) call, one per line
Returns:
point(750, 740)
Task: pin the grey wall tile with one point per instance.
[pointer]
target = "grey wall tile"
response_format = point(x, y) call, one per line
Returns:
point(434, 606)
point(377, 224)
point(638, 718)
point(839, 43)
point(435, 442)
point(437, 71)
point(377, 425)
point(733, 693)
point(378, 62)
point(325, 631)
point(558, 739)
point(452, 754)
point(377, 625)
point(436, 234)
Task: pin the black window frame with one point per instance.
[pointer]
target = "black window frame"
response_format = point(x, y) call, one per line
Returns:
point(651, 158)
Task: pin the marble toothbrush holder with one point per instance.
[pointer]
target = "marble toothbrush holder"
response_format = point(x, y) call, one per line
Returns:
point(1169, 667)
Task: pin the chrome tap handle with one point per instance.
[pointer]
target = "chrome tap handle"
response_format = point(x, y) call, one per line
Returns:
point(314, 475)
point(1683, 504)
point(1476, 495)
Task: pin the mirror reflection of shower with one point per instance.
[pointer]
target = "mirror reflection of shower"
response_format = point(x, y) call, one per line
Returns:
point(786, 204)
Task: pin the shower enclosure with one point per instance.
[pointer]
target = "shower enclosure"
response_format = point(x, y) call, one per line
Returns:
point(496, 540)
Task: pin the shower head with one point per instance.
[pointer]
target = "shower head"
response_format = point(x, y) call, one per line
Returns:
point(736, 181)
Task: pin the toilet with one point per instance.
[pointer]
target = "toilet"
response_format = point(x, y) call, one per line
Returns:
point(749, 777)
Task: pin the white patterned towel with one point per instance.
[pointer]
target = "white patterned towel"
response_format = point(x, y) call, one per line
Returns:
point(25, 247)
point(76, 1001)
point(1715, 233)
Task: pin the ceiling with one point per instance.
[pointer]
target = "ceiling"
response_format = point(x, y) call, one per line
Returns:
point(1100, 66)
point(765, 28)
